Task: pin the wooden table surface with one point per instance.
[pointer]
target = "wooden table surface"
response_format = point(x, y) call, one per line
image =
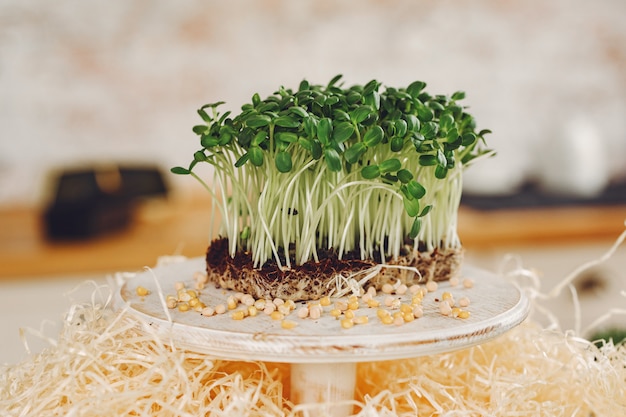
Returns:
point(181, 227)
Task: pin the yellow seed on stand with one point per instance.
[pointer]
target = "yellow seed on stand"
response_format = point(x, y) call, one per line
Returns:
point(192, 293)
point(269, 308)
point(142, 291)
point(381, 312)
point(248, 300)
point(347, 323)
point(455, 312)
point(238, 315)
point(341, 305)
point(360, 320)
point(414, 289)
point(253, 311)
point(406, 308)
point(446, 295)
point(387, 288)
point(284, 309)
point(288, 324)
point(468, 283)
point(183, 296)
point(199, 307)
point(464, 301)
point(335, 312)
point(277, 315)
point(464, 314)
point(444, 308)
point(417, 300)
point(231, 302)
point(171, 302)
point(325, 301)
point(402, 289)
point(373, 303)
point(389, 300)
point(260, 304)
point(183, 307)
point(353, 305)
point(387, 319)
point(290, 304)
point(193, 302)
point(408, 317)
point(303, 312)
point(315, 311)
point(349, 314)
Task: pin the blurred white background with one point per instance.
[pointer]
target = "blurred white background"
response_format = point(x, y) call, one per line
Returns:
point(84, 82)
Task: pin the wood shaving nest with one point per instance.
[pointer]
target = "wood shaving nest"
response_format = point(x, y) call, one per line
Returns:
point(110, 363)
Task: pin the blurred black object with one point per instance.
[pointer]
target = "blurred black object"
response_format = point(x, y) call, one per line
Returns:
point(533, 196)
point(95, 201)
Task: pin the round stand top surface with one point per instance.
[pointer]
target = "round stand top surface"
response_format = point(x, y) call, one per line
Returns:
point(496, 306)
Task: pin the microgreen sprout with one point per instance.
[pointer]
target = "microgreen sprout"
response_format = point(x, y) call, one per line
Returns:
point(362, 169)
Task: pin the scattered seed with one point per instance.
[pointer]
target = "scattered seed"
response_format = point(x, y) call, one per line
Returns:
point(464, 301)
point(288, 324)
point(142, 291)
point(432, 286)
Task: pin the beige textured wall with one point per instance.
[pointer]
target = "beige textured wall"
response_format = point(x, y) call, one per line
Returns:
point(90, 81)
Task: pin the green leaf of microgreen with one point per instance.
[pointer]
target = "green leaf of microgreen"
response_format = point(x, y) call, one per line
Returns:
point(283, 161)
point(415, 88)
point(259, 138)
point(458, 95)
point(324, 130)
point(342, 132)
point(390, 165)
point(416, 189)
point(256, 155)
point(425, 210)
point(208, 141)
point(427, 160)
point(286, 121)
point(369, 172)
point(205, 116)
point(299, 111)
point(360, 113)
point(316, 149)
point(200, 129)
point(404, 175)
point(353, 153)
point(441, 172)
point(258, 120)
point(287, 137)
point(396, 144)
point(373, 136)
point(411, 206)
point(333, 160)
point(425, 114)
point(180, 171)
point(242, 160)
point(415, 228)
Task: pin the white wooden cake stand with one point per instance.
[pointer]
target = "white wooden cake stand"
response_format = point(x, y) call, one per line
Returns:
point(322, 354)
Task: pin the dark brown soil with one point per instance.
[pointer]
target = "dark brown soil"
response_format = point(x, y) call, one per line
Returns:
point(312, 280)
